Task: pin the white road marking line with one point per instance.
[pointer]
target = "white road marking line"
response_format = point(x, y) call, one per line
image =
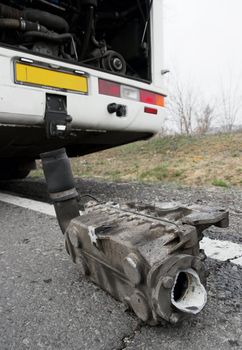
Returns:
point(214, 249)
point(40, 207)
point(221, 250)
point(237, 261)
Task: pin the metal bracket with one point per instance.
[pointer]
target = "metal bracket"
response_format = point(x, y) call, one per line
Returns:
point(57, 121)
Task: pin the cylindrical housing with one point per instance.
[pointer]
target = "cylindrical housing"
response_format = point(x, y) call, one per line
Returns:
point(61, 186)
point(58, 173)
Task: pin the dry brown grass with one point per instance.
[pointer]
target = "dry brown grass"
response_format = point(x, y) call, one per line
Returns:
point(205, 160)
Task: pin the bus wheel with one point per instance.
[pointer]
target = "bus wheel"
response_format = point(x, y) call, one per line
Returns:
point(11, 169)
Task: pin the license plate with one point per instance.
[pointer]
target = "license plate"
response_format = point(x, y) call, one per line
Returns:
point(34, 75)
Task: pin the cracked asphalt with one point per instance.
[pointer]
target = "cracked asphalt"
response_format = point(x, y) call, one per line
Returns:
point(45, 303)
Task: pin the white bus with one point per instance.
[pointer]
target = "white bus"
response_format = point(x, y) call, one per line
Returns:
point(81, 74)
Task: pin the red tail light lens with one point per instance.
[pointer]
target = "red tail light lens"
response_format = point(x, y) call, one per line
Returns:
point(152, 98)
point(109, 88)
point(151, 110)
point(147, 97)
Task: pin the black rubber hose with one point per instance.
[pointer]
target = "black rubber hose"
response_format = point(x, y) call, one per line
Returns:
point(61, 186)
point(64, 54)
point(9, 23)
point(9, 12)
point(21, 25)
point(47, 19)
point(57, 38)
point(88, 33)
point(57, 171)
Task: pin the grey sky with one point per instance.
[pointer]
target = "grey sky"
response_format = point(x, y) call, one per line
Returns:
point(203, 40)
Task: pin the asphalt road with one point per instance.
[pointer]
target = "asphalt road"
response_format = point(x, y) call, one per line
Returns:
point(45, 303)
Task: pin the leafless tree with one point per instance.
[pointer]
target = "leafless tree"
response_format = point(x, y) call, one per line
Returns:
point(189, 109)
point(230, 105)
point(205, 116)
point(182, 105)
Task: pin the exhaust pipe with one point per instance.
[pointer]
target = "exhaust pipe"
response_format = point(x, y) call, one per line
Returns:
point(61, 186)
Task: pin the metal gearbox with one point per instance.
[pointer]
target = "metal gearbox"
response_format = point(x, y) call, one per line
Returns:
point(144, 255)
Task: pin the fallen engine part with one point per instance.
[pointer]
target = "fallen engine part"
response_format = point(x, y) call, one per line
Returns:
point(144, 255)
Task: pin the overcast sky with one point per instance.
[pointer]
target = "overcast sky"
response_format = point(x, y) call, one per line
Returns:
point(203, 40)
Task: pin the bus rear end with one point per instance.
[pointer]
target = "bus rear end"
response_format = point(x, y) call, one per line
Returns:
point(86, 75)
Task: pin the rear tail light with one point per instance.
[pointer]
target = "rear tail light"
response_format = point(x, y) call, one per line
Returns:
point(130, 93)
point(148, 97)
point(150, 110)
point(152, 98)
point(160, 100)
point(110, 88)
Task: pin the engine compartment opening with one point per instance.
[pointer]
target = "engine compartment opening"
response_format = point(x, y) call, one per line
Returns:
point(188, 294)
point(113, 36)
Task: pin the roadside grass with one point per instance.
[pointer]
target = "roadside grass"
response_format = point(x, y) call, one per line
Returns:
point(219, 183)
point(186, 160)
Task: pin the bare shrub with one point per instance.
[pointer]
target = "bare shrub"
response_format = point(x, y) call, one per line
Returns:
point(230, 105)
point(205, 118)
